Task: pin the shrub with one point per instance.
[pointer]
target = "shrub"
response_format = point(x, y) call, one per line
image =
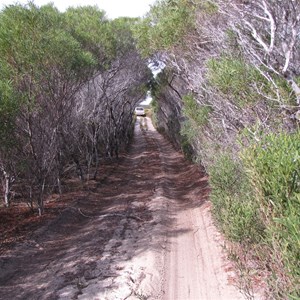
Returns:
point(188, 131)
point(188, 136)
point(209, 7)
point(9, 105)
point(233, 205)
point(273, 165)
point(244, 84)
point(199, 114)
point(196, 116)
point(232, 76)
point(164, 26)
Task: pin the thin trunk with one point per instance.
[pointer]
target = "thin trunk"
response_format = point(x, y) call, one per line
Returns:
point(41, 199)
point(296, 89)
point(60, 171)
point(96, 163)
point(79, 170)
point(30, 199)
point(7, 188)
point(59, 186)
point(89, 161)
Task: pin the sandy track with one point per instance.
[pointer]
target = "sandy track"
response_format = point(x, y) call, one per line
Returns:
point(145, 233)
point(196, 266)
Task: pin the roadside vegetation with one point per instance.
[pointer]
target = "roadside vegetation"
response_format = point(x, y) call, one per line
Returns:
point(232, 74)
point(69, 83)
point(228, 97)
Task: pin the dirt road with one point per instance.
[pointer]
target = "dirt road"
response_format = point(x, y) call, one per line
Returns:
point(143, 232)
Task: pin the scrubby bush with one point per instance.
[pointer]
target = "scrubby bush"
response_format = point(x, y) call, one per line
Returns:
point(237, 74)
point(244, 84)
point(233, 203)
point(273, 166)
point(193, 111)
point(196, 116)
point(232, 76)
point(164, 26)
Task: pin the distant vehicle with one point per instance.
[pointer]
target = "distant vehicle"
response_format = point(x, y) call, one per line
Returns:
point(140, 111)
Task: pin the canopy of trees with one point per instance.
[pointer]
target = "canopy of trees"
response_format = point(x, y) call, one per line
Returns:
point(228, 96)
point(68, 86)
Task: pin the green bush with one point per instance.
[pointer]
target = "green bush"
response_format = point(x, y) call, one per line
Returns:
point(232, 76)
point(196, 116)
point(287, 96)
point(244, 84)
point(233, 205)
point(188, 135)
point(10, 101)
point(164, 26)
point(209, 7)
point(273, 165)
point(195, 112)
point(188, 131)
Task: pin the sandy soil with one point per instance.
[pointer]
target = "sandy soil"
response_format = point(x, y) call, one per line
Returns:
point(142, 232)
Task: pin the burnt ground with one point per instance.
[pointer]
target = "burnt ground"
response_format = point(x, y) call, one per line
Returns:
point(142, 231)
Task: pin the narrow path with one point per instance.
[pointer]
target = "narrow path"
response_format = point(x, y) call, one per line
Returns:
point(196, 266)
point(144, 232)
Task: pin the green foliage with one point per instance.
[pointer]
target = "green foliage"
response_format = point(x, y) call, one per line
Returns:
point(104, 39)
point(233, 77)
point(188, 136)
point(36, 44)
point(79, 19)
point(209, 7)
point(97, 39)
point(165, 25)
point(8, 111)
point(193, 111)
point(121, 31)
point(243, 83)
point(196, 116)
point(189, 131)
point(273, 166)
point(285, 91)
point(233, 205)
point(142, 32)
point(9, 105)
point(70, 59)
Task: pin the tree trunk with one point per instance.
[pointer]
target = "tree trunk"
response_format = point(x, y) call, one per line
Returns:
point(96, 157)
point(41, 198)
point(295, 87)
point(7, 187)
point(59, 185)
point(78, 167)
point(30, 202)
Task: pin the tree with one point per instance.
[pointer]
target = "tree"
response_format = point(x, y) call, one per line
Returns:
point(268, 32)
point(164, 26)
point(50, 61)
point(106, 103)
point(48, 67)
point(8, 109)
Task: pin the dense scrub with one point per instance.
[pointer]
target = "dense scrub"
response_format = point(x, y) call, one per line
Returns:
point(228, 96)
point(231, 96)
point(68, 85)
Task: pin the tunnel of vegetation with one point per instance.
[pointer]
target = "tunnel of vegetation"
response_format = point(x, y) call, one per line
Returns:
point(228, 97)
point(68, 86)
